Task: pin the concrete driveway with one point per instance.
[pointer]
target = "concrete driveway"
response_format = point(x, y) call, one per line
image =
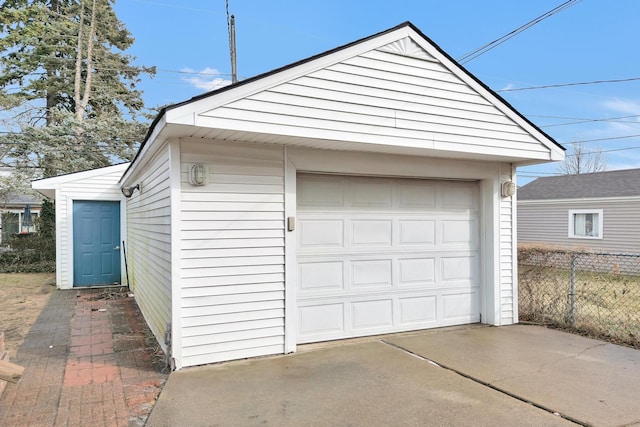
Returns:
point(514, 375)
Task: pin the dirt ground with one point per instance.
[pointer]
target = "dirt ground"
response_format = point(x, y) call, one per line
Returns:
point(22, 297)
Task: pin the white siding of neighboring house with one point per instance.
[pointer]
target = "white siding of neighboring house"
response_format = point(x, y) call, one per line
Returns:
point(547, 222)
point(98, 184)
point(148, 243)
point(383, 98)
point(232, 252)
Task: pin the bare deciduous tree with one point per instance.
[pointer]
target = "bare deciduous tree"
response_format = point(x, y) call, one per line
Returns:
point(583, 160)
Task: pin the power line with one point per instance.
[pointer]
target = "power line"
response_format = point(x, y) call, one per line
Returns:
point(603, 139)
point(195, 73)
point(487, 47)
point(101, 70)
point(581, 121)
point(570, 84)
point(603, 151)
point(558, 117)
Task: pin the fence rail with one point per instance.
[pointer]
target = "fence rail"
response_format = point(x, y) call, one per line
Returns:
point(594, 293)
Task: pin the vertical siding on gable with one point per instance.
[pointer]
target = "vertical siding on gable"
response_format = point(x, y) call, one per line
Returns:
point(508, 295)
point(232, 252)
point(149, 243)
point(102, 187)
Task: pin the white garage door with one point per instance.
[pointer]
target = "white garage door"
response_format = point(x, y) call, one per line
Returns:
point(378, 255)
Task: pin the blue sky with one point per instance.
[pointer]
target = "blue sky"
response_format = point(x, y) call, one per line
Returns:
point(593, 40)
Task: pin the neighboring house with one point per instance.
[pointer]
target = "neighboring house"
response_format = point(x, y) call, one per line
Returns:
point(17, 215)
point(596, 211)
point(17, 211)
point(365, 190)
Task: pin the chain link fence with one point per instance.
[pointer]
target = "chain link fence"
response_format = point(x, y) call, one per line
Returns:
point(596, 294)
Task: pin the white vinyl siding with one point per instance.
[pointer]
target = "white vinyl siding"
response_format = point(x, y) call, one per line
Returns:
point(232, 253)
point(149, 242)
point(381, 98)
point(548, 222)
point(508, 296)
point(98, 184)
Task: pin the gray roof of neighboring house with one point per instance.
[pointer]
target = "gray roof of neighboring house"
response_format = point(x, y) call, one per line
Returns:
point(621, 183)
point(22, 199)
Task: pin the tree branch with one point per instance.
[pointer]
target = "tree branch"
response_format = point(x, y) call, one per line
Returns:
point(92, 33)
point(78, 77)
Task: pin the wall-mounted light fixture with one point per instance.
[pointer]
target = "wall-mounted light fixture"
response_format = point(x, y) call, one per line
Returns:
point(128, 191)
point(198, 174)
point(508, 189)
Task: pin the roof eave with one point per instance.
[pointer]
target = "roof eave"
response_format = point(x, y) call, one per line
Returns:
point(48, 193)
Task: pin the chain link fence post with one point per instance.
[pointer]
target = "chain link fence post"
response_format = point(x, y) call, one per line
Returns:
point(572, 289)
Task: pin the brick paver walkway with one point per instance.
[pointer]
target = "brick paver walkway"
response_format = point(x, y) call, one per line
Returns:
point(86, 362)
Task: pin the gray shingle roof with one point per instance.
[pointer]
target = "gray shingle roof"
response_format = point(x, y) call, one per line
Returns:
point(621, 183)
point(22, 199)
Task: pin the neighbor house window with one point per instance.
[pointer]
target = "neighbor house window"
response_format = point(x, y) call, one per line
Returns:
point(585, 224)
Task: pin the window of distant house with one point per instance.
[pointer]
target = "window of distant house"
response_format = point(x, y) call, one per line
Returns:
point(585, 224)
point(13, 223)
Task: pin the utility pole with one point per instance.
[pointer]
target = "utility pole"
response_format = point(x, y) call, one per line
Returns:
point(232, 35)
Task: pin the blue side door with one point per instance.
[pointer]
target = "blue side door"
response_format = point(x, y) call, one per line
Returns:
point(96, 243)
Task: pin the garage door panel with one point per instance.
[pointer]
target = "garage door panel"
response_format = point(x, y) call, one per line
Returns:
point(459, 268)
point(417, 196)
point(462, 232)
point(362, 316)
point(321, 276)
point(321, 191)
point(418, 310)
point(417, 271)
point(371, 233)
point(371, 273)
point(363, 273)
point(321, 233)
point(417, 232)
point(456, 196)
point(325, 319)
point(385, 255)
point(460, 306)
point(372, 314)
point(372, 193)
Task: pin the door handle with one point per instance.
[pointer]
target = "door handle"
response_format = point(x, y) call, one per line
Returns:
point(116, 248)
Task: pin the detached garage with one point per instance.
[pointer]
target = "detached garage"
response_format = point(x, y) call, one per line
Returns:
point(365, 190)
